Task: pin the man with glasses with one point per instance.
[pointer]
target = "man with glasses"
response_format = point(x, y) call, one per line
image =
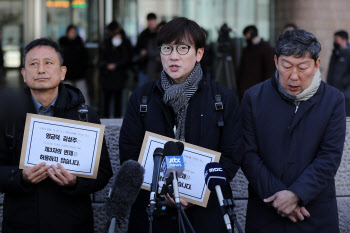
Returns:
point(181, 105)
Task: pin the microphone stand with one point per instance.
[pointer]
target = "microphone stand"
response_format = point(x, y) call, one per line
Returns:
point(169, 187)
point(111, 224)
point(150, 210)
point(229, 205)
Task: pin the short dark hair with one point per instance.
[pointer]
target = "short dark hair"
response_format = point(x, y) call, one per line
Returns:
point(290, 25)
point(298, 43)
point(71, 26)
point(43, 42)
point(252, 29)
point(179, 30)
point(343, 34)
point(151, 16)
point(114, 25)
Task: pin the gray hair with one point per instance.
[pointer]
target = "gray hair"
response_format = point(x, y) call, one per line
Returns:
point(298, 43)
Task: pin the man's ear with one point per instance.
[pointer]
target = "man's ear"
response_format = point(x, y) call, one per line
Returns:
point(63, 72)
point(23, 72)
point(276, 61)
point(199, 54)
point(317, 64)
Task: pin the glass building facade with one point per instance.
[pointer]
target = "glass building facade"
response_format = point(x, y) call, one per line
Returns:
point(24, 20)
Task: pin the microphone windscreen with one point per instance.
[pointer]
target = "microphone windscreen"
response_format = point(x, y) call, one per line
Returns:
point(125, 189)
point(214, 175)
point(158, 152)
point(180, 147)
point(170, 148)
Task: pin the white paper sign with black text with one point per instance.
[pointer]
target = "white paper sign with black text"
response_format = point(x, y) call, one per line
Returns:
point(192, 186)
point(74, 144)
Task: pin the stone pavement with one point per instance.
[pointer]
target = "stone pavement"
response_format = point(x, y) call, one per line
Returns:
point(239, 184)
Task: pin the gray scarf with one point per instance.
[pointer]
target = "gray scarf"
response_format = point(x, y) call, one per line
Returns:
point(304, 95)
point(178, 96)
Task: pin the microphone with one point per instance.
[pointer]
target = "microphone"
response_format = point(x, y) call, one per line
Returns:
point(180, 147)
point(173, 165)
point(123, 193)
point(157, 160)
point(214, 178)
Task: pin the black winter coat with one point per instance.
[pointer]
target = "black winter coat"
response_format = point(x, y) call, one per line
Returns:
point(113, 79)
point(300, 152)
point(339, 74)
point(146, 40)
point(75, 58)
point(47, 207)
point(202, 130)
point(256, 66)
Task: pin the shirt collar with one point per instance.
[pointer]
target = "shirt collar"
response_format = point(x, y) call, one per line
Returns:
point(38, 105)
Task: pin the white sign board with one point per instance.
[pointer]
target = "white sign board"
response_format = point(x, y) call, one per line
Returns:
point(74, 144)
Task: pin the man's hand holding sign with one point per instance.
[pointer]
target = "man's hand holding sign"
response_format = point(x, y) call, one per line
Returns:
point(60, 149)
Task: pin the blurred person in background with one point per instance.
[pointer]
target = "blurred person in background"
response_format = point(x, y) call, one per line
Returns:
point(256, 62)
point(144, 49)
point(290, 26)
point(208, 58)
point(2, 68)
point(339, 66)
point(154, 65)
point(76, 59)
point(113, 62)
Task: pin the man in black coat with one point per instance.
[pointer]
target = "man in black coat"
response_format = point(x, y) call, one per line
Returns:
point(256, 62)
point(36, 199)
point(76, 59)
point(294, 132)
point(339, 66)
point(181, 106)
point(144, 48)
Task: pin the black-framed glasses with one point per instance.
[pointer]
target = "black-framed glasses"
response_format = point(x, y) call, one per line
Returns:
point(182, 49)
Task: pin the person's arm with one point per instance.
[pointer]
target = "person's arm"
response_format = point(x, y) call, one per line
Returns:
point(132, 131)
point(320, 173)
point(231, 137)
point(11, 177)
point(330, 70)
point(125, 59)
point(261, 179)
point(345, 79)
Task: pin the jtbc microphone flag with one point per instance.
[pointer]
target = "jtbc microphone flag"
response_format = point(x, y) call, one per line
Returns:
point(173, 163)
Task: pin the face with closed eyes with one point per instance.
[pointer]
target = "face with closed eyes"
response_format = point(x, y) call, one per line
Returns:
point(178, 66)
point(296, 73)
point(42, 69)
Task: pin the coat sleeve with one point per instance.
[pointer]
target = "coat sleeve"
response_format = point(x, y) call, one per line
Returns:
point(330, 70)
point(260, 178)
point(10, 175)
point(132, 131)
point(88, 186)
point(231, 138)
point(321, 171)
